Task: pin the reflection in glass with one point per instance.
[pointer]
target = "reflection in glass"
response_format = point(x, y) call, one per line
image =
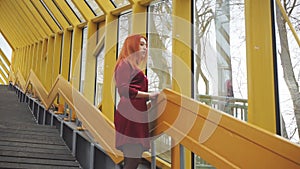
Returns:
point(160, 60)
point(94, 6)
point(124, 30)
point(119, 3)
point(220, 58)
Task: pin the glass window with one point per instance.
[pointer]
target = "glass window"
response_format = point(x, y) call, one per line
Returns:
point(220, 55)
point(159, 68)
point(288, 69)
point(220, 58)
point(94, 6)
point(83, 59)
point(120, 3)
point(99, 76)
point(125, 20)
point(75, 10)
point(71, 58)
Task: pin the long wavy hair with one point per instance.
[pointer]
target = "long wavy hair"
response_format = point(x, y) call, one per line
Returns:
point(130, 52)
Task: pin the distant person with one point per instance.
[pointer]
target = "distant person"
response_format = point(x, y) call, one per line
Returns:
point(131, 116)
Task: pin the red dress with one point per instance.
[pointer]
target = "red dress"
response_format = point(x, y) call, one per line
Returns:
point(131, 117)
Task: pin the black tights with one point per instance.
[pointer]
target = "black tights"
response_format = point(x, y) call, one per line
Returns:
point(131, 163)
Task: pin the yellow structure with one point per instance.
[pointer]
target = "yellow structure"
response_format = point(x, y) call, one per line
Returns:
point(56, 46)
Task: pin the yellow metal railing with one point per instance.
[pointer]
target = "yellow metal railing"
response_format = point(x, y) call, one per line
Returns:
point(87, 113)
point(220, 139)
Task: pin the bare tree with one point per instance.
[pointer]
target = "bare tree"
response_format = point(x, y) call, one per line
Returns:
point(285, 55)
point(203, 18)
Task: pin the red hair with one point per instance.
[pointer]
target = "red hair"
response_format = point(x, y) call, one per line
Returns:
point(130, 47)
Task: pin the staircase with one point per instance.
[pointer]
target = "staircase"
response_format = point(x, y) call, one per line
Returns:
point(24, 143)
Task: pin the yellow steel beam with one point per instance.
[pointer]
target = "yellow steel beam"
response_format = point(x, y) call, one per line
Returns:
point(139, 19)
point(29, 59)
point(12, 30)
point(44, 13)
point(56, 56)
point(49, 65)
point(182, 61)
point(2, 65)
point(21, 21)
point(84, 9)
point(4, 57)
point(66, 54)
point(57, 14)
point(34, 18)
point(39, 59)
point(44, 62)
point(34, 57)
point(4, 76)
point(64, 7)
point(25, 61)
point(76, 51)
point(109, 64)
point(259, 46)
point(8, 35)
point(38, 17)
point(90, 65)
point(30, 19)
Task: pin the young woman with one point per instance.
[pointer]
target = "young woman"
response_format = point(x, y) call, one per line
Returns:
point(131, 117)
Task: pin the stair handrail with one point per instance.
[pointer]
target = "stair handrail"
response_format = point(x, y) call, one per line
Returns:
point(221, 139)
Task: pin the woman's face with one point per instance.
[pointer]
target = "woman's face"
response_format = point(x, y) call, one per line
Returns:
point(143, 47)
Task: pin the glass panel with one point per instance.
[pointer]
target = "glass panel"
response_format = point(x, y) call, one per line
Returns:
point(220, 58)
point(119, 3)
point(125, 21)
point(75, 10)
point(94, 6)
point(159, 68)
point(99, 76)
point(71, 57)
point(288, 67)
point(123, 31)
point(83, 59)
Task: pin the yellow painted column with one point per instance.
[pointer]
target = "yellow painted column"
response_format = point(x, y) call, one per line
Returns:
point(28, 61)
point(90, 65)
point(56, 57)
point(139, 19)
point(261, 97)
point(66, 54)
point(182, 62)
point(39, 58)
point(109, 65)
point(49, 65)
point(34, 57)
point(76, 55)
point(43, 62)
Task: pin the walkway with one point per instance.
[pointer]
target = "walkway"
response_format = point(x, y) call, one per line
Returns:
point(24, 143)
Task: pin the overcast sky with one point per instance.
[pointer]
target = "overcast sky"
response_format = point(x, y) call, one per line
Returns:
point(5, 47)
